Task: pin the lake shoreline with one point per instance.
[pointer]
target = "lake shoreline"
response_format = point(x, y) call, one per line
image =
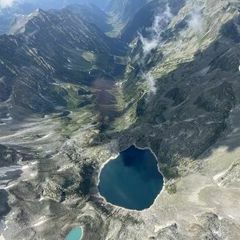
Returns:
point(114, 157)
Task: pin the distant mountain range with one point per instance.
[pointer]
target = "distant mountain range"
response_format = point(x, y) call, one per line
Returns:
point(8, 14)
point(124, 9)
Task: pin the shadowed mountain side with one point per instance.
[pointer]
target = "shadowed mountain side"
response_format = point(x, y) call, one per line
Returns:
point(51, 57)
point(4, 207)
point(144, 18)
point(191, 107)
point(11, 155)
point(94, 15)
point(124, 9)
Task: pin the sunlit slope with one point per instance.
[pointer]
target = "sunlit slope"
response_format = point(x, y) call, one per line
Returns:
point(48, 51)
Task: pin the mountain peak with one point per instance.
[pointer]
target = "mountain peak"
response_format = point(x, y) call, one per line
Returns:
point(21, 21)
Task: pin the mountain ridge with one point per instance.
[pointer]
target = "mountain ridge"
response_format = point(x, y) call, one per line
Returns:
point(72, 98)
point(42, 42)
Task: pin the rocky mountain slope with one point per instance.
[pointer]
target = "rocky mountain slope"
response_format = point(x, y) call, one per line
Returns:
point(124, 10)
point(71, 98)
point(9, 10)
point(49, 50)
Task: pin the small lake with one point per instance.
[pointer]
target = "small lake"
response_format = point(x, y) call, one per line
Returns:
point(75, 234)
point(132, 180)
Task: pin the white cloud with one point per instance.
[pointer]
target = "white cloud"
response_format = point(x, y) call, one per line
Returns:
point(150, 43)
point(6, 3)
point(151, 84)
point(10, 3)
point(196, 21)
point(159, 23)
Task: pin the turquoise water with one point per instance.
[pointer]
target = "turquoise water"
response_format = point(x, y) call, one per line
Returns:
point(132, 180)
point(75, 234)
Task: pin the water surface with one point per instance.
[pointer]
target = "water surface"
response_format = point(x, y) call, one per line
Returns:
point(132, 180)
point(75, 234)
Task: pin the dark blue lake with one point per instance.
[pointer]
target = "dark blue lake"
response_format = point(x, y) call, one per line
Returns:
point(132, 180)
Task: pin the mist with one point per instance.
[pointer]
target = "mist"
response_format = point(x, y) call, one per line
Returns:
point(153, 41)
point(6, 3)
point(196, 22)
point(159, 23)
point(150, 82)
